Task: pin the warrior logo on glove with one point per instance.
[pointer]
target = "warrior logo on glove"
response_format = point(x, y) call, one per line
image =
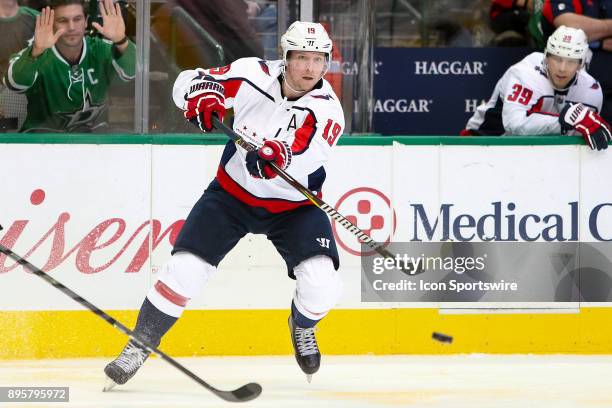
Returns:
point(207, 85)
point(594, 130)
point(206, 97)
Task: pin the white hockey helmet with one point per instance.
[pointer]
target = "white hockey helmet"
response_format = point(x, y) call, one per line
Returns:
point(568, 42)
point(304, 36)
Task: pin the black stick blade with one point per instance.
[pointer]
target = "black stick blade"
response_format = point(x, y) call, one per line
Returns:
point(245, 393)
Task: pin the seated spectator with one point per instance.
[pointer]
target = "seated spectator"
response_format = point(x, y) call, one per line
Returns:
point(546, 93)
point(17, 27)
point(65, 74)
point(594, 17)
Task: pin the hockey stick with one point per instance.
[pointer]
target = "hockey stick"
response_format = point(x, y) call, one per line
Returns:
point(245, 393)
point(328, 209)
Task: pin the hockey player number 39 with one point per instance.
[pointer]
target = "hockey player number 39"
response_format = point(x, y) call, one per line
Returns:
point(335, 132)
point(525, 94)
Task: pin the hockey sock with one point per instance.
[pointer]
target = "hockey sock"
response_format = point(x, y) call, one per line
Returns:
point(301, 320)
point(152, 323)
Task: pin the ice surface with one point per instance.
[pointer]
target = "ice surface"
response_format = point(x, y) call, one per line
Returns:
point(455, 381)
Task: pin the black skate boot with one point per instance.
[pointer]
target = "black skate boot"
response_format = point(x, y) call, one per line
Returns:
point(121, 369)
point(151, 325)
point(305, 346)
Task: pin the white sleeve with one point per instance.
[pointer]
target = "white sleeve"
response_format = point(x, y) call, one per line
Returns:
point(592, 96)
point(223, 74)
point(599, 101)
point(519, 115)
point(180, 86)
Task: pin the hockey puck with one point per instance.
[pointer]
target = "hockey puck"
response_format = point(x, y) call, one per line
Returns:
point(442, 338)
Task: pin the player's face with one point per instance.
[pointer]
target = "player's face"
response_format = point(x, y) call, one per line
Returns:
point(72, 19)
point(304, 69)
point(561, 70)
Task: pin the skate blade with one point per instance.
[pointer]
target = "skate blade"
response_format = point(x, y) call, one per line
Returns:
point(309, 378)
point(110, 384)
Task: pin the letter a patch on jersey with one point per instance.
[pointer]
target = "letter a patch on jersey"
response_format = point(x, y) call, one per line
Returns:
point(292, 123)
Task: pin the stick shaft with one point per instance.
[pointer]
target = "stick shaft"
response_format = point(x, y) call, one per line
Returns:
point(110, 320)
point(328, 209)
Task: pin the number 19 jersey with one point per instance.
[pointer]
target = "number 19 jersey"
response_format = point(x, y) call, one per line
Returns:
point(311, 125)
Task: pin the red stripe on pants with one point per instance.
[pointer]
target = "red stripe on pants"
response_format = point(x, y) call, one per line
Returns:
point(171, 295)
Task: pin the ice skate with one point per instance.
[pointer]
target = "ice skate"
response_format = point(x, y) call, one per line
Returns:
point(120, 370)
point(108, 384)
point(306, 350)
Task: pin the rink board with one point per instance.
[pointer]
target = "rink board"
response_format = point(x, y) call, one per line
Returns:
point(102, 219)
point(61, 334)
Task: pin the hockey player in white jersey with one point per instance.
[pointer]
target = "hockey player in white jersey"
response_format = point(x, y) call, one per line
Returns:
point(547, 93)
point(292, 113)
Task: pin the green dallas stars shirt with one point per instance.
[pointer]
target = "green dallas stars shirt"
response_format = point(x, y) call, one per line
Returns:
point(64, 97)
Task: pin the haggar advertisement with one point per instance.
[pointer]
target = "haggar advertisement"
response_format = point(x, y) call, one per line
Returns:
point(415, 87)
